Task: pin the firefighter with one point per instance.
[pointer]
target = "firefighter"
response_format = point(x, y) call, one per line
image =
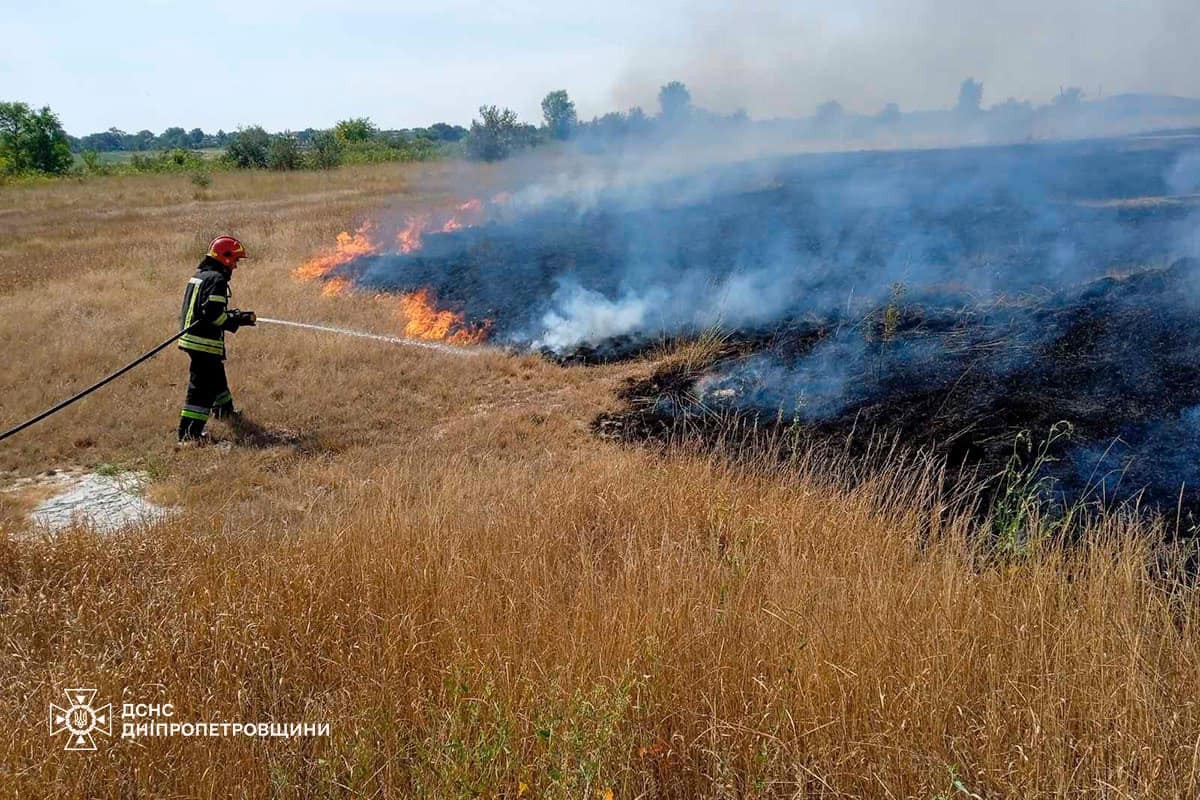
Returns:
point(206, 305)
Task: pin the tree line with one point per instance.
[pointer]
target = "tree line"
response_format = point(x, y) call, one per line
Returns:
point(33, 141)
point(115, 140)
point(497, 133)
point(354, 141)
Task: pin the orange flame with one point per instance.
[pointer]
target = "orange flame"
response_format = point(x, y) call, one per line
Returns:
point(336, 286)
point(409, 237)
point(349, 246)
point(467, 215)
point(424, 320)
point(418, 310)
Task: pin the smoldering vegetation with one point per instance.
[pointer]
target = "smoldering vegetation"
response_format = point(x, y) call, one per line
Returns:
point(958, 301)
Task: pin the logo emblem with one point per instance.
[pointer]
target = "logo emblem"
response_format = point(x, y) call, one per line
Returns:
point(79, 719)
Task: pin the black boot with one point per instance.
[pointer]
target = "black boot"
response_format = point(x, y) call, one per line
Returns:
point(191, 429)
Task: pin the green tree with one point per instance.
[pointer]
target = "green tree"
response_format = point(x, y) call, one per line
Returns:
point(358, 129)
point(13, 119)
point(675, 101)
point(829, 114)
point(636, 121)
point(104, 142)
point(970, 97)
point(559, 115)
point(494, 135)
point(283, 152)
point(447, 133)
point(248, 147)
point(143, 140)
point(326, 150)
point(172, 138)
point(32, 141)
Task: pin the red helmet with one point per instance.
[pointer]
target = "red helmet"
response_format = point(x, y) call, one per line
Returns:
point(227, 250)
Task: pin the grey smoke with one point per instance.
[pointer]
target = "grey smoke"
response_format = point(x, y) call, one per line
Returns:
point(778, 58)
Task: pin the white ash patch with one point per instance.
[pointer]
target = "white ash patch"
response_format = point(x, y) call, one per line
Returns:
point(106, 503)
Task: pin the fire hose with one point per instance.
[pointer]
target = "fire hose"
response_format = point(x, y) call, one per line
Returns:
point(160, 346)
point(406, 341)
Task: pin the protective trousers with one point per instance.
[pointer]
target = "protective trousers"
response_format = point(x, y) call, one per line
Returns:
point(207, 394)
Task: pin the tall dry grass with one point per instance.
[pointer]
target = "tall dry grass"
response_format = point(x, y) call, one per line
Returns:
point(485, 601)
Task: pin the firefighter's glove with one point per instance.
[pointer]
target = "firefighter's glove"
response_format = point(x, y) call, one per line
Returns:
point(239, 318)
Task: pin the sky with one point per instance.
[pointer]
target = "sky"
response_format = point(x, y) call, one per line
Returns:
point(151, 64)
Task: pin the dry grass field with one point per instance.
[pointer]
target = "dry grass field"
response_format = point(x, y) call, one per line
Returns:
point(484, 600)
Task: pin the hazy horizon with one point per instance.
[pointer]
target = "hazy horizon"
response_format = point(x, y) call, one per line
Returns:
point(151, 65)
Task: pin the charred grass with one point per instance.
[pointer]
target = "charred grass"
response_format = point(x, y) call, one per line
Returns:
point(484, 600)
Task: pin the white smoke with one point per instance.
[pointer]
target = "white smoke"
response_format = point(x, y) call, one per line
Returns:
point(582, 315)
point(694, 302)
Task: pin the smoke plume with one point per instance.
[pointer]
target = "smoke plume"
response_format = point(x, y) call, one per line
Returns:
point(780, 58)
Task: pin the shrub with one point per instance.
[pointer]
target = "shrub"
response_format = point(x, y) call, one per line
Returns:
point(283, 153)
point(391, 147)
point(498, 134)
point(359, 129)
point(92, 164)
point(326, 150)
point(248, 148)
point(443, 132)
point(177, 160)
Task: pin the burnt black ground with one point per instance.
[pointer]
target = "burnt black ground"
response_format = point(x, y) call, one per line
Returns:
point(950, 300)
point(1008, 219)
point(1119, 362)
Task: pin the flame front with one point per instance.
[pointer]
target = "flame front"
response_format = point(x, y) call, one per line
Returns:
point(418, 311)
point(335, 286)
point(349, 247)
point(408, 239)
point(466, 215)
point(424, 320)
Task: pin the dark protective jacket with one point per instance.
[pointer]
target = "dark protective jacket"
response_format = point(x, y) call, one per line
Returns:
point(206, 299)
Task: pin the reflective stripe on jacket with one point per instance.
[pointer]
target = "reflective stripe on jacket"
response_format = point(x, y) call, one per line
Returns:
point(206, 299)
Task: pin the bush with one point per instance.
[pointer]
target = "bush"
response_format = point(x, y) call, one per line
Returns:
point(92, 164)
point(498, 135)
point(391, 147)
point(442, 132)
point(177, 160)
point(359, 129)
point(283, 153)
point(248, 148)
point(326, 152)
